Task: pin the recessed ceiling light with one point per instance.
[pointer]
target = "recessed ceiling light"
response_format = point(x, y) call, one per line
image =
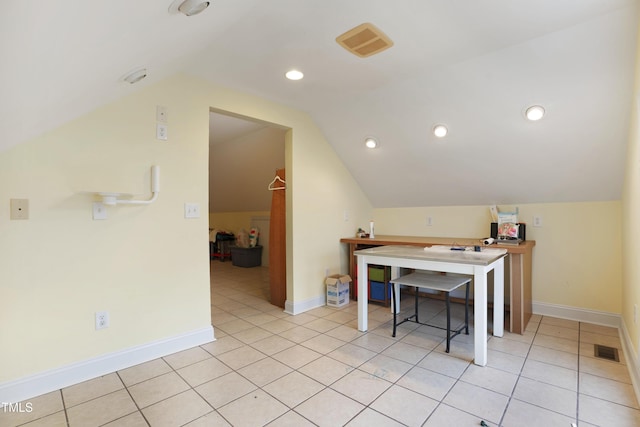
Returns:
point(294, 75)
point(135, 76)
point(188, 7)
point(370, 142)
point(440, 131)
point(535, 112)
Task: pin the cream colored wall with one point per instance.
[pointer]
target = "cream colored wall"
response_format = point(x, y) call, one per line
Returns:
point(631, 223)
point(146, 265)
point(234, 221)
point(576, 260)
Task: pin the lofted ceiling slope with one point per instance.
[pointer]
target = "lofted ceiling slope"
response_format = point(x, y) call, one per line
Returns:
point(472, 65)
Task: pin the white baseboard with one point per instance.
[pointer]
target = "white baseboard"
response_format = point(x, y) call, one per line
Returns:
point(579, 314)
point(631, 355)
point(302, 306)
point(55, 379)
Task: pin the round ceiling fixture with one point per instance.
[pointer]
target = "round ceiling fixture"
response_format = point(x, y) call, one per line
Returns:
point(440, 131)
point(294, 75)
point(534, 113)
point(135, 76)
point(370, 142)
point(188, 7)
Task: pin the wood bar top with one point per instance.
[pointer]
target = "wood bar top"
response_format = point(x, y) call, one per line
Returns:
point(382, 240)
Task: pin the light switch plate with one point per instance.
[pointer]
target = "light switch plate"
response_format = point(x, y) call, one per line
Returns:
point(99, 211)
point(19, 208)
point(192, 210)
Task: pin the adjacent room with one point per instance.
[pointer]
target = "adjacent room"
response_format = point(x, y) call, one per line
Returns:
point(492, 145)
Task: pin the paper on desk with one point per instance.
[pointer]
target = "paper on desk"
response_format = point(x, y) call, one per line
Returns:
point(447, 248)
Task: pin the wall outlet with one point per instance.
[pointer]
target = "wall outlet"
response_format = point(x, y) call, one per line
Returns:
point(429, 221)
point(161, 114)
point(102, 320)
point(162, 132)
point(99, 211)
point(537, 221)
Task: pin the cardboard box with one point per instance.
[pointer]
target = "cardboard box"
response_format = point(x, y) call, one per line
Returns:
point(337, 290)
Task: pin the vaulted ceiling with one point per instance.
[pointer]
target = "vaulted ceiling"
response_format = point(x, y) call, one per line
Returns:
point(474, 65)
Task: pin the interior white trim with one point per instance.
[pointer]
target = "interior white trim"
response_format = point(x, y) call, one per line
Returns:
point(578, 314)
point(298, 307)
point(55, 379)
point(631, 355)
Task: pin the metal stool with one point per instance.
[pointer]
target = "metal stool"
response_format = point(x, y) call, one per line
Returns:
point(435, 282)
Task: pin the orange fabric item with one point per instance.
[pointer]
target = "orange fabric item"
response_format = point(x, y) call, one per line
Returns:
point(278, 244)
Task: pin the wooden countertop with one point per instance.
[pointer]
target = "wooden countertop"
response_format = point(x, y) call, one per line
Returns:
point(430, 241)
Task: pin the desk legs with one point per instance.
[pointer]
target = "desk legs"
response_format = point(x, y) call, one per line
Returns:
point(480, 315)
point(363, 294)
point(498, 298)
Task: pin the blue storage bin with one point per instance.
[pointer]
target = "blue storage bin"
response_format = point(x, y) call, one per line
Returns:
point(376, 290)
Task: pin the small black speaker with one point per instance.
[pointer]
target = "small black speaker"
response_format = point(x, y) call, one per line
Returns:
point(522, 230)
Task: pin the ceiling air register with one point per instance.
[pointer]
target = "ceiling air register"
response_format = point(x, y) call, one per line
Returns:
point(364, 40)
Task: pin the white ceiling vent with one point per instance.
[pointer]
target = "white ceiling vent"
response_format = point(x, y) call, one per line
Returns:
point(364, 40)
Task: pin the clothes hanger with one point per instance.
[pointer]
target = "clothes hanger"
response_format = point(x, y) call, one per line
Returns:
point(277, 178)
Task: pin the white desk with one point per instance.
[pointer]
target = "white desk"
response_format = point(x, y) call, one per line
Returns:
point(439, 258)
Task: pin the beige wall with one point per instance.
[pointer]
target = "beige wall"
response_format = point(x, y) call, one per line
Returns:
point(146, 265)
point(576, 260)
point(631, 224)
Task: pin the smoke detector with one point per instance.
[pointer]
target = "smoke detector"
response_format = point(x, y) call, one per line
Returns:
point(364, 40)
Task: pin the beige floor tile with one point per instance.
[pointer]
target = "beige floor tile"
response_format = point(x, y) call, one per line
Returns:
point(604, 413)
point(447, 416)
point(546, 396)
point(249, 336)
point(225, 389)
point(299, 334)
point(264, 371)
point(485, 404)
point(345, 333)
point(323, 343)
point(329, 408)
point(599, 329)
point(406, 352)
point(272, 345)
point(186, 357)
point(255, 409)
point(222, 317)
point(291, 419)
point(341, 317)
point(490, 378)
point(386, 368)
point(565, 323)
point(278, 326)
point(203, 371)
point(132, 420)
point(101, 410)
point(551, 374)
point(419, 339)
point(504, 361)
point(321, 325)
point(369, 417)
point(235, 326)
point(404, 406)
point(522, 414)
point(260, 319)
point(361, 386)
point(144, 371)
point(177, 410)
point(156, 389)
point(559, 332)
point(222, 345)
point(444, 364)
point(91, 389)
point(555, 343)
point(426, 382)
point(326, 370)
point(301, 319)
point(212, 419)
point(352, 355)
point(515, 348)
point(297, 356)
point(374, 342)
point(32, 409)
point(606, 389)
point(241, 357)
point(57, 419)
point(554, 357)
point(293, 389)
point(605, 368)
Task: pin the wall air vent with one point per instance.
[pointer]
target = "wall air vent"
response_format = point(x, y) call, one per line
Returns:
point(364, 40)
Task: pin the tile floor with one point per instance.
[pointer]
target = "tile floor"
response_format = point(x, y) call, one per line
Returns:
point(316, 368)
